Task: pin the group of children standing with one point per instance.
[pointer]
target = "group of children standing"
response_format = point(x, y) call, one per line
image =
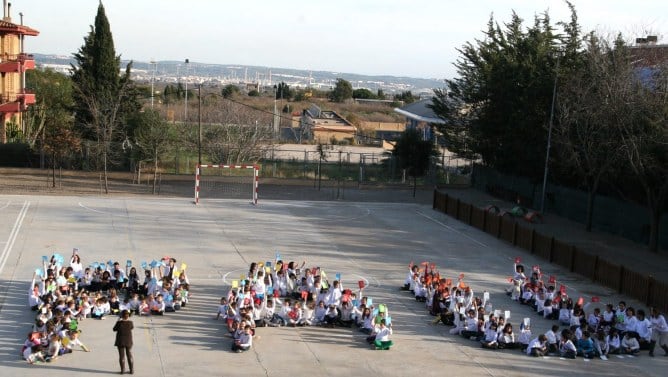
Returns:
point(282, 293)
point(63, 296)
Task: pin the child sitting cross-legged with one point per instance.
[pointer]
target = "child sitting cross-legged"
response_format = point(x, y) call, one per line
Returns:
point(382, 341)
point(490, 339)
point(585, 346)
point(244, 340)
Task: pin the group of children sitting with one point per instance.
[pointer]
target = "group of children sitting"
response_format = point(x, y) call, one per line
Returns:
point(285, 294)
point(63, 296)
point(615, 330)
point(621, 331)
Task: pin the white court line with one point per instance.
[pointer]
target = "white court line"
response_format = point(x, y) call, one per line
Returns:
point(6, 205)
point(139, 217)
point(451, 228)
point(93, 210)
point(12, 236)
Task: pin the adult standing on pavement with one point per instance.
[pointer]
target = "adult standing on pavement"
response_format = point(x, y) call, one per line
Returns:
point(123, 329)
point(659, 331)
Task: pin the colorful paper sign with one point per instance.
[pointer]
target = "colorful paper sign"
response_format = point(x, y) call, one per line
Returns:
point(304, 295)
point(38, 272)
point(369, 302)
point(183, 266)
point(128, 263)
point(235, 284)
point(518, 260)
point(388, 320)
point(361, 284)
point(595, 299)
point(338, 276)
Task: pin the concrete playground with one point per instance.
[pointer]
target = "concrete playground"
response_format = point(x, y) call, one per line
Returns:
point(218, 239)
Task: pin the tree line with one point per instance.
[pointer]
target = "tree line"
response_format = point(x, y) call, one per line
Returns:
point(603, 107)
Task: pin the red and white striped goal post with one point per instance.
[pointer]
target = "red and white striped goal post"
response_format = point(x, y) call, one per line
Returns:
point(256, 177)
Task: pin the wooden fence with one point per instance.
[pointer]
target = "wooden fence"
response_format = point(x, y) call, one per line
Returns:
point(635, 284)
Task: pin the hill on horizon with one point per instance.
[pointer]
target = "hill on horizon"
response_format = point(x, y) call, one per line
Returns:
point(167, 69)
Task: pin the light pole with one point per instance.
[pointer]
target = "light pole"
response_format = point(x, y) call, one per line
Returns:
point(199, 124)
point(549, 137)
point(154, 65)
point(186, 100)
point(276, 120)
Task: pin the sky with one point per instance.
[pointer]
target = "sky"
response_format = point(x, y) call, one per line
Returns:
point(415, 38)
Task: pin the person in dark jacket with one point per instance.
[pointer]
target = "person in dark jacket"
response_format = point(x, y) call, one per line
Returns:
point(123, 329)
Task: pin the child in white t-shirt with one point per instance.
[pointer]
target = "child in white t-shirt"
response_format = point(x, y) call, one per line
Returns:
point(222, 309)
point(33, 354)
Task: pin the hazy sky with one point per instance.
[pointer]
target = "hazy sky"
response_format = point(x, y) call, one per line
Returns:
point(414, 38)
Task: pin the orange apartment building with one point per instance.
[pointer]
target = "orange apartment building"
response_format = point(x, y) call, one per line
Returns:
point(14, 98)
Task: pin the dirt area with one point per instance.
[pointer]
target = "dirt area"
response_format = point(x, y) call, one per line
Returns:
point(68, 182)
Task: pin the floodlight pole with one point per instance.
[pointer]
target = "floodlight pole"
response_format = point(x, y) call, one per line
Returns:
point(549, 137)
point(186, 100)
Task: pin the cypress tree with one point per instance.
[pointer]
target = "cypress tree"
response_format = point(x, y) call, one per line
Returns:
point(104, 97)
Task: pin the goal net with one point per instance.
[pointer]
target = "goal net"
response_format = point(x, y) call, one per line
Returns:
point(226, 181)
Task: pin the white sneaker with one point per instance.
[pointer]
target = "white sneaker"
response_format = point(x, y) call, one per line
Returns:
point(603, 357)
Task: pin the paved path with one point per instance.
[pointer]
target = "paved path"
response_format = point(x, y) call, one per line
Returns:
point(218, 239)
point(614, 248)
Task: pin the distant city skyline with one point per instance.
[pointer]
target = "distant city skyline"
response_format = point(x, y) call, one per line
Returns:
point(373, 37)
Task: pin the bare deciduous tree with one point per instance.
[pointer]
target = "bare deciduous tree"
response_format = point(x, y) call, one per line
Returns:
point(594, 102)
point(234, 133)
point(646, 144)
